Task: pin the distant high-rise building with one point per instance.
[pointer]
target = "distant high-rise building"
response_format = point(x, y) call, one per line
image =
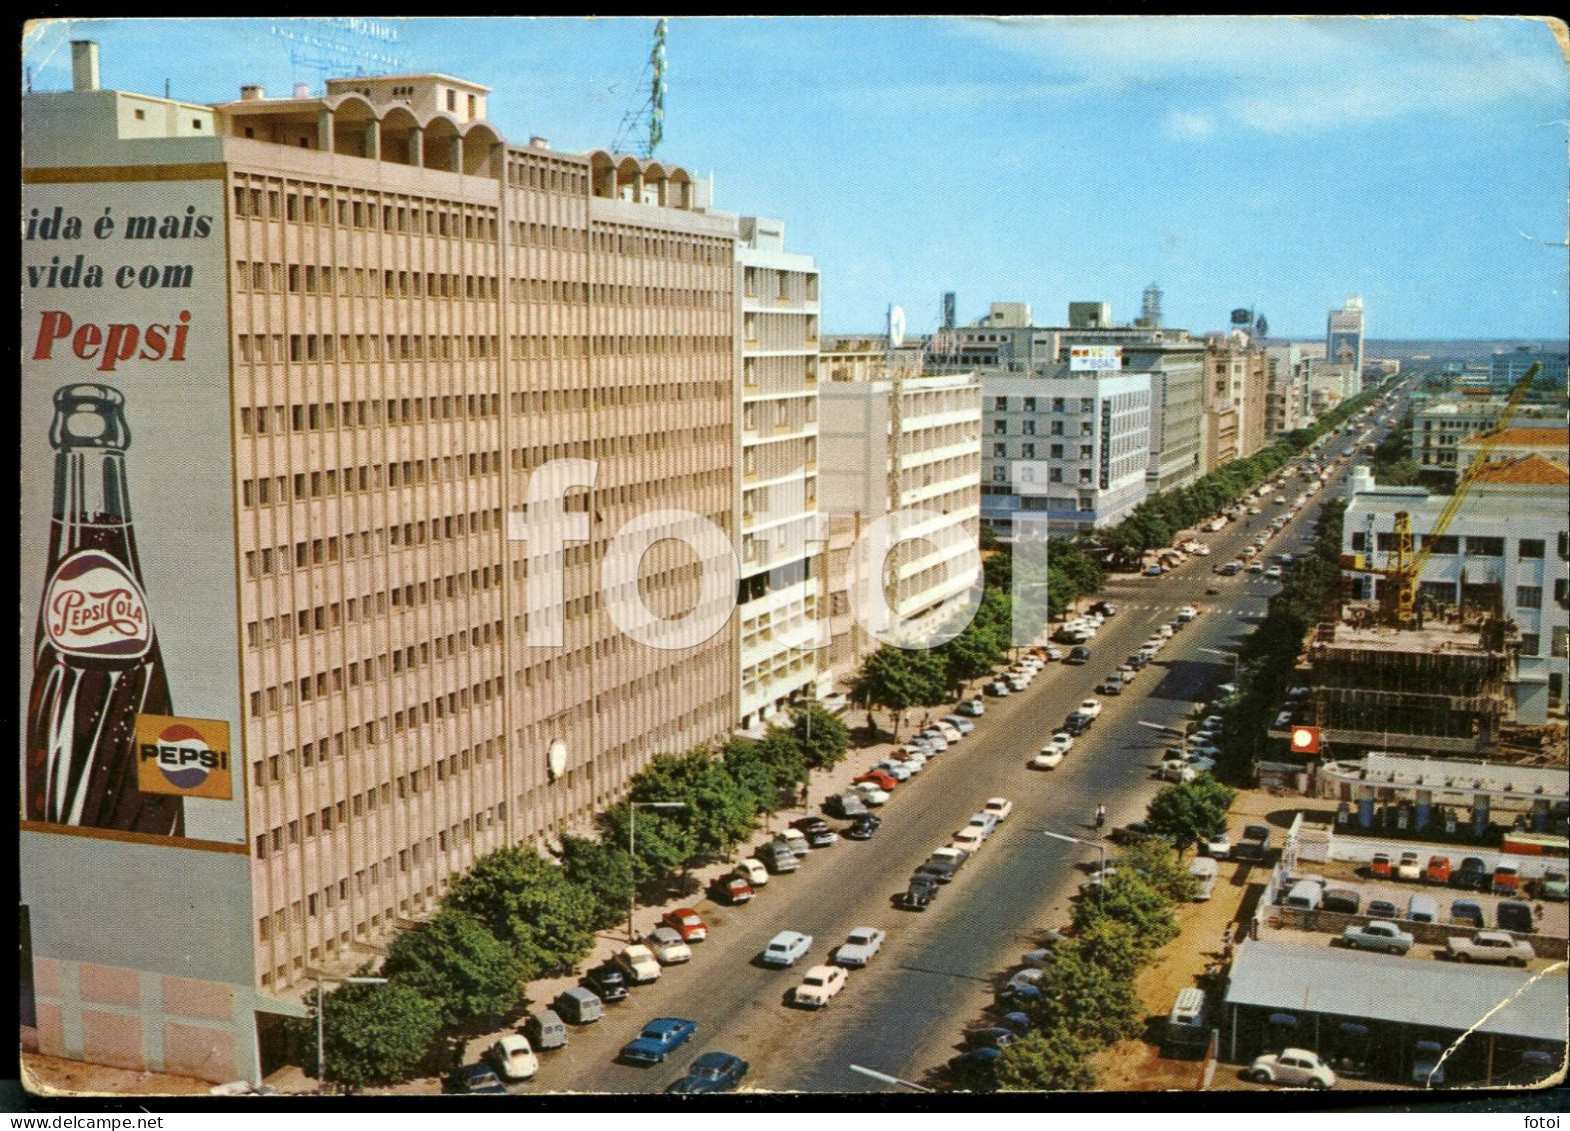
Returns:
point(1150, 312)
point(1344, 335)
point(1090, 315)
point(1506, 368)
point(950, 310)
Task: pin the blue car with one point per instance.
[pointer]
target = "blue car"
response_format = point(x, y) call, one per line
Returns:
point(479, 1080)
point(659, 1039)
point(711, 1072)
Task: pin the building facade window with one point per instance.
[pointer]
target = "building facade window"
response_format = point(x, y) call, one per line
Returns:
point(1529, 597)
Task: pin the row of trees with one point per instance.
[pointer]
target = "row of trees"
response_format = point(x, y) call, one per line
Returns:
point(516, 916)
point(1088, 995)
point(1159, 519)
point(901, 679)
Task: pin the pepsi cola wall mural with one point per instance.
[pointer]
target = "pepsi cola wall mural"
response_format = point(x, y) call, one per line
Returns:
point(130, 676)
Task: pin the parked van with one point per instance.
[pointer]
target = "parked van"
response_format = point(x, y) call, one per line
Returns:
point(546, 1030)
point(1205, 871)
point(1423, 909)
point(777, 857)
point(1306, 895)
point(579, 1005)
point(1513, 915)
point(1186, 1027)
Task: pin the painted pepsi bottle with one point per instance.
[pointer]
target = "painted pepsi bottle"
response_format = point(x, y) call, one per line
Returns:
point(96, 662)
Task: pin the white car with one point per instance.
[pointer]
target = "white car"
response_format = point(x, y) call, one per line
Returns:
point(1177, 770)
point(871, 794)
point(1018, 682)
point(1063, 740)
point(999, 807)
point(859, 947)
point(513, 1057)
point(975, 708)
point(1090, 708)
point(819, 986)
point(998, 688)
point(968, 839)
point(639, 964)
point(1218, 845)
point(1187, 613)
point(959, 723)
point(896, 770)
point(668, 946)
point(935, 740)
point(949, 731)
point(1050, 758)
point(785, 947)
point(753, 871)
point(1297, 1068)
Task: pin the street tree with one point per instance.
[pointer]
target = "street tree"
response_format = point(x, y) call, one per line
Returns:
point(1080, 997)
point(529, 903)
point(1112, 945)
point(601, 869)
point(375, 1034)
point(1053, 1061)
point(821, 737)
point(458, 966)
point(1152, 860)
point(1128, 899)
point(1190, 811)
point(898, 679)
point(770, 771)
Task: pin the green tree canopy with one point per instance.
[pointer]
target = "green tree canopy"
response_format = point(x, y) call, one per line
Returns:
point(530, 904)
point(604, 871)
point(375, 1034)
point(1054, 1061)
point(898, 679)
point(821, 737)
point(1153, 861)
point(1190, 811)
point(458, 966)
point(1128, 899)
point(1090, 1001)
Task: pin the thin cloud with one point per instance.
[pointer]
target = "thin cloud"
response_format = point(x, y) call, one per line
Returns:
point(1185, 125)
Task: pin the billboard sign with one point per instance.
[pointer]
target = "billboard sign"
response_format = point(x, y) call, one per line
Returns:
point(129, 683)
point(1095, 359)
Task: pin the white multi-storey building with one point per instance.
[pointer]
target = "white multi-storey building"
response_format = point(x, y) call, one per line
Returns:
point(1070, 447)
point(778, 492)
point(1506, 548)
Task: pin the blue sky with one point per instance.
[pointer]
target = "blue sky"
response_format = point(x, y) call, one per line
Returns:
point(1268, 162)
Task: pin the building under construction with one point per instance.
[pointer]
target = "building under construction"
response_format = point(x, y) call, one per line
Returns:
point(1445, 688)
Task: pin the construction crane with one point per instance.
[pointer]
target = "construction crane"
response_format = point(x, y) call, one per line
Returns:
point(1404, 568)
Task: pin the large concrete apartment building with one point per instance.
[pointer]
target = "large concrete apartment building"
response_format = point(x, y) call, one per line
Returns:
point(366, 325)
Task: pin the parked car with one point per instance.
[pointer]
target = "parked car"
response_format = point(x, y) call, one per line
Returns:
point(1472, 875)
point(1078, 655)
point(660, 1038)
point(639, 965)
point(1552, 887)
point(1076, 725)
point(960, 723)
point(711, 1072)
point(1513, 915)
point(686, 921)
point(919, 893)
point(992, 1037)
point(1177, 770)
point(872, 793)
point(864, 826)
point(844, 805)
point(816, 830)
point(1468, 912)
point(1218, 845)
point(607, 982)
point(999, 807)
point(784, 948)
point(1380, 866)
point(1297, 1068)
point(778, 857)
point(1506, 879)
point(545, 1030)
point(968, 839)
point(513, 1058)
point(998, 689)
point(669, 948)
point(859, 947)
point(944, 863)
point(1438, 870)
point(975, 708)
point(1377, 935)
point(1490, 946)
point(985, 821)
point(877, 778)
point(1407, 868)
point(1343, 900)
point(795, 841)
point(481, 1080)
point(819, 986)
point(753, 871)
point(1132, 833)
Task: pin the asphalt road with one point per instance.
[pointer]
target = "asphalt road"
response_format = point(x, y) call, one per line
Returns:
point(905, 1014)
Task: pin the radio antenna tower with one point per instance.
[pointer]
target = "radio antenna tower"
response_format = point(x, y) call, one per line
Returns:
point(644, 128)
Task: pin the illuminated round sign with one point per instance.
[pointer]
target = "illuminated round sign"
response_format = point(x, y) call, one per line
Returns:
point(896, 327)
point(1305, 740)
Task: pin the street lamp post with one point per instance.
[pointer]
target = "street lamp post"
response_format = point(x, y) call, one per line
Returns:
point(887, 1079)
point(321, 1013)
point(632, 849)
point(1099, 846)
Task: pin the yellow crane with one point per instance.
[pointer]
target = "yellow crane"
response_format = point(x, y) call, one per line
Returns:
point(1404, 568)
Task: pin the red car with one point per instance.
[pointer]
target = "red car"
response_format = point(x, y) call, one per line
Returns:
point(879, 779)
point(1507, 881)
point(1438, 871)
point(1380, 866)
point(685, 922)
point(731, 890)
